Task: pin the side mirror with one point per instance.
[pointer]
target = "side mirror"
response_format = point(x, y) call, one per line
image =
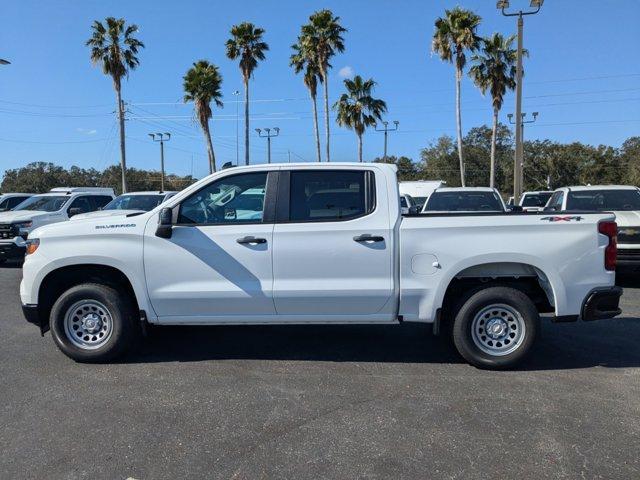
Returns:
point(516, 208)
point(413, 210)
point(74, 211)
point(165, 223)
point(550, 209)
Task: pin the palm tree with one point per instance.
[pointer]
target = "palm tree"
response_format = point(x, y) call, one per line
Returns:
point(303, 58)
point(456, 33)
point(115, 48)
point(494, 69)
point(323, 35)
point(357, 109)
point(246, 43)
point(202, 84)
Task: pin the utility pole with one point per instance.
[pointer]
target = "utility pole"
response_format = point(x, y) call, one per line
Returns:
point(519, 151)
point(237, 95)
point(268, 135)
point(521, 124)
point(386, 130)
point(161, 137)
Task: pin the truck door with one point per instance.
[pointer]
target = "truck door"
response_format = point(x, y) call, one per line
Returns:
point(333, 246)
point(216, 267)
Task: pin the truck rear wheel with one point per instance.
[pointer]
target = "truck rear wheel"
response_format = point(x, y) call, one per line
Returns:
point(496, 328)
point(93, 323)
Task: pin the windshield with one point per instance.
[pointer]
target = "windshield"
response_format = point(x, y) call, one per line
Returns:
point(43, 203)
point(603, 200)
point(464, 202)
point(536, 199)
point(135, 202)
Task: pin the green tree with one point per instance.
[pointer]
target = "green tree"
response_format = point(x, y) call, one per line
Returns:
point(357, 109)
point(323, 35)
point(114, 46)
point(494, 69)
point(407, 170)
point(455, 34)
point(202, 84)
point(246, 43)
point(304, 59)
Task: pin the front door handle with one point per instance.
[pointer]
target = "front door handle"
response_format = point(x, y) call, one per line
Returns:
point(368, 238)
point(251, 240)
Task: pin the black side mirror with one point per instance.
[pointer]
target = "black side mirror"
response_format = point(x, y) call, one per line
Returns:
point(413, 210)
point(74, 211)
point(516, 208)
point(165, 223)
point(550, 209)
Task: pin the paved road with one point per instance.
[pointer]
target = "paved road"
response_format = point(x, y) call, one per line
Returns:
point(319, 402)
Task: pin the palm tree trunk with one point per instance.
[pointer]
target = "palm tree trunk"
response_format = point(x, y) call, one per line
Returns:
point(494, 132)
point(246, 120)
point(459, 125)
point(360, 148)
point(326, 110)
point(316, 128)
point(123, 155)
point(207, 139)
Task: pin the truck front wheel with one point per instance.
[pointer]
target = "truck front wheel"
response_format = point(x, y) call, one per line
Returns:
point(495, 328)
point(93, 323)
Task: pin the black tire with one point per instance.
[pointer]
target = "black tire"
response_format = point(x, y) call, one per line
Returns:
point(474, 305)
point(120, 309)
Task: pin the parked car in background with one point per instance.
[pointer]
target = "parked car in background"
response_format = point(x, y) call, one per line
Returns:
point(59, 205)
point(128, 203)
point(464, 199)
point(419, 190)
point(8, 201)
point(315, 244)
point(622, 200)
point(408, 205)
point(534, 201)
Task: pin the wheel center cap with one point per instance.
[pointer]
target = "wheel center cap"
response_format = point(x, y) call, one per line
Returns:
point(92, 323)
point(496, 327)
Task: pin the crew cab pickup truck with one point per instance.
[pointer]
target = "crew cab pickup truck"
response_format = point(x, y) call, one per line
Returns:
point(316, 244)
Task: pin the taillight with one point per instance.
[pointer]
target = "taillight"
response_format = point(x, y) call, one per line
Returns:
point(610, 229)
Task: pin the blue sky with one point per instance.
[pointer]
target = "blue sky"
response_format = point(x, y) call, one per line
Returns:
point(583, 76)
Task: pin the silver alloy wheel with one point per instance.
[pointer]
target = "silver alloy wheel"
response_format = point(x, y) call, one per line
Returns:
point(88, 324)
point(498, 329)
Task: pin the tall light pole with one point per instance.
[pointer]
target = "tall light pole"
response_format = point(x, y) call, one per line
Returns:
point(161, 137)
point(386, 130)
point(268, 135)
point(519, 152)
point(237, 95)
point(522, 124)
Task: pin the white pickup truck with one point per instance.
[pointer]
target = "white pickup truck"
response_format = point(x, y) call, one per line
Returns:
point(316, 244)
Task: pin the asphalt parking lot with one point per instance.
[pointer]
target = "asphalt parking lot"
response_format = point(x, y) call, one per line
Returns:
point(319, 402)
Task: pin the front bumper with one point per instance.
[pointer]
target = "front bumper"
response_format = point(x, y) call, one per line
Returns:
point(33, 315)
point(628, 258)
point(14, 250)
point(602, 303)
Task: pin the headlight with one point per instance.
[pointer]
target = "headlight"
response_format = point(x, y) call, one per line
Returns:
point(23, 224)
point(32, 245)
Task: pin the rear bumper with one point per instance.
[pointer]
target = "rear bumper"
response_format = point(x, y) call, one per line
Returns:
point(33, 315)
point(601, 303)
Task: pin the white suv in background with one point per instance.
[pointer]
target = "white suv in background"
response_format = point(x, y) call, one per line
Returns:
point(534, 201)
point(129, 203)
point(623, 200)
point(464, 199)
point(59, 205)
point(8, 201)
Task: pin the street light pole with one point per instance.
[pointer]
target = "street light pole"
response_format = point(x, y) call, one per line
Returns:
point(519, 151)
point(386, 130)
point(237, 95)
point(520, 126)
point(268, 135)
point(161, 137)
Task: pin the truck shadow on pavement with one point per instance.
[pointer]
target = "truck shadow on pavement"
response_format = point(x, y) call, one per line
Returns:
point(609, 343)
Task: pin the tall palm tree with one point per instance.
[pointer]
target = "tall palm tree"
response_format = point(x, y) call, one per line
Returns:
point(202, 84)
point(494, 69)
point(357, 109)
point(114, 46)
point(246, 43)
point(455, 33)
point(304, 58)
point(323, 35)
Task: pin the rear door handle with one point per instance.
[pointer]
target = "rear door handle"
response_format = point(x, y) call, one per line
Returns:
point(251, 240)
point(368, 238)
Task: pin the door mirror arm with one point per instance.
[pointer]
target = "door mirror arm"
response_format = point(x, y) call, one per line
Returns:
point(165, 223)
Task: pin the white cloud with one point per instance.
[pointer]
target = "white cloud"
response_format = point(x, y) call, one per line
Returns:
point(346, 72)
point(86, 131)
